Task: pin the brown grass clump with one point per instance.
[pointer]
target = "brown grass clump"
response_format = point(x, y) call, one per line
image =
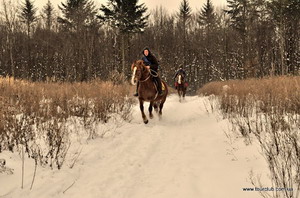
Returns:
point(32, 113)
point(270, 109)
point(280, 94)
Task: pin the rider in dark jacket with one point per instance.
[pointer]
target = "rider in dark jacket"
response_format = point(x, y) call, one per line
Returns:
point(180, 71)
point(150, 60)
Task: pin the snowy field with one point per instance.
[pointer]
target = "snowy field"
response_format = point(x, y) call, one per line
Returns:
point(185, 155)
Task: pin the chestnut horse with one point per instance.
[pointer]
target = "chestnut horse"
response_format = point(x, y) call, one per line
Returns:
point(147, 89)
point(181, 86)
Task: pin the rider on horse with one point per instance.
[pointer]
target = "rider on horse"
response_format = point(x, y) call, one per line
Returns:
point(151, 62)
point(181, 72)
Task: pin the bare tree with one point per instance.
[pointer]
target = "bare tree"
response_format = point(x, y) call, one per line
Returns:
point(9, 13)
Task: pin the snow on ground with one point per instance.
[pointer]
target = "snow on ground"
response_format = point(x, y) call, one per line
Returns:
point(184, 155)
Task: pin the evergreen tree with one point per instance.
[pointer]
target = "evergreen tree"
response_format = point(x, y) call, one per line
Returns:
point(48, 15)
point(80, 21)
point(28, 15)
point(184, 17)
point(207, 19)
point(77, 14)
point(243, 19)
point(127, 17)
point(185, 12)
point(207, 16)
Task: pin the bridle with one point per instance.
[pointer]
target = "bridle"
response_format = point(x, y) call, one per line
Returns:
point(141, 81)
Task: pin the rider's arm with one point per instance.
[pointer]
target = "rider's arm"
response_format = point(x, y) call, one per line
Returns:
point(146, 62)
point(175, 74)
point(154, 67)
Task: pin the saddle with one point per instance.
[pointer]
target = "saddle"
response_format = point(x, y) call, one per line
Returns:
point(185, 84)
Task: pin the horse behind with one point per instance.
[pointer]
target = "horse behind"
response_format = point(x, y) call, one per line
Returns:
point(147, 89)
point(181, 86)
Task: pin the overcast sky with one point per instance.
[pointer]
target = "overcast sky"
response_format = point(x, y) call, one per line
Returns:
point(170, 5)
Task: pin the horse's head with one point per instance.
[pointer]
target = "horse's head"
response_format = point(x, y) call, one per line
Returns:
point(137, 68)
point(180, 79)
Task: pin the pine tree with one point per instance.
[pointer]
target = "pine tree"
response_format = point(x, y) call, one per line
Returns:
point(127, 17)
point(48, 15)
point(28, 15)
point(242, 19)
point(207, 19)
point(207, 16)
point(80, 21)
point(77, 14)
point(184, 17)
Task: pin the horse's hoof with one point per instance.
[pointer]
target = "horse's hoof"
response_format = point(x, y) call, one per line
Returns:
point(146, 121)
point(151, 116)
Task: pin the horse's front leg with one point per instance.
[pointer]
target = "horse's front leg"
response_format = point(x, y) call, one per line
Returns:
point(142, 110)
point(150, 110)
point(179, 93)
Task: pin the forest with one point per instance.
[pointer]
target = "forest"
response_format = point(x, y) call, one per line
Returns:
point(78, 41)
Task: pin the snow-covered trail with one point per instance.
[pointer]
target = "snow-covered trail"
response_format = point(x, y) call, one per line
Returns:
point(184, 155)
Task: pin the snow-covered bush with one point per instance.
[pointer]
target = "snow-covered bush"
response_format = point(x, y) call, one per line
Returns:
point(269, 110)
point(36, 116)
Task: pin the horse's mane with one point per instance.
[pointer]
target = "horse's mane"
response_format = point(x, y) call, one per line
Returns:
point(138, 63)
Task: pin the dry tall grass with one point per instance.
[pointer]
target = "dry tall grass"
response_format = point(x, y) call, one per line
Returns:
point(270, 110)
point(31, 113)
point(280, 94)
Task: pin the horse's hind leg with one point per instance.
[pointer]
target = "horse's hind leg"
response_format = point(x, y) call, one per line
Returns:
point(161, 105)
point(150, 110)
point(142, 111)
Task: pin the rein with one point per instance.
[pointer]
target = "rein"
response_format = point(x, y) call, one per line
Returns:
point(145, 79)
point(150, 74)
point(156, 74)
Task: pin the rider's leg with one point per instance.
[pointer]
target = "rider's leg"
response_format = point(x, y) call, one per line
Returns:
point(159, 88)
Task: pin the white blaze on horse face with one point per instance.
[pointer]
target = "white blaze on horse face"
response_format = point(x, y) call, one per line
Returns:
point(133, 76)
point(179, 79)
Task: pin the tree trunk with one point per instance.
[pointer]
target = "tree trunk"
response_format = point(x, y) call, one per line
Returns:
point(10, 43)
point(123, 52)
